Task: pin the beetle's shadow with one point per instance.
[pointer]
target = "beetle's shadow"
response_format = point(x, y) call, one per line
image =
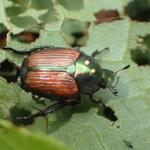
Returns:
point(63, 116)
point(85, 105)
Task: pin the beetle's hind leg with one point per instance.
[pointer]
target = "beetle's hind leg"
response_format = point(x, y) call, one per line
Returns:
point(50, 109)
point(43, 112)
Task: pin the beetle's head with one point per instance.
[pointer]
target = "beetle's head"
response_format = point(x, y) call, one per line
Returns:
point(110, 79)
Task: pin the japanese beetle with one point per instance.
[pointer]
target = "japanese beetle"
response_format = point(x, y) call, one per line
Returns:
point(63, 74)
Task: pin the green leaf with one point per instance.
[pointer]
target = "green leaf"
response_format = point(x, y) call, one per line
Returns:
point(30, 14)
point(22, 3)
point(15, 58)
point(51, 35)
point(3, 18)
point(13, 11)
point(49, 16)
point(14, 138)
point(34, 14)
point(23, 22)
point(84, 10)
point(90, 127)
point(71, 28)
point(79, 15)
point(10, 95)
point(39, 4)
point(72, 5)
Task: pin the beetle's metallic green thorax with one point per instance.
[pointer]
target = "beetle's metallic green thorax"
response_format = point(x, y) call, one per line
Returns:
point(87, 74)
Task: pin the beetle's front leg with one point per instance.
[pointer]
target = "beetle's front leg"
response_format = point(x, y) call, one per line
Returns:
point(29, 51)
point(43, 112)
point(97, 52)
point(95, 101)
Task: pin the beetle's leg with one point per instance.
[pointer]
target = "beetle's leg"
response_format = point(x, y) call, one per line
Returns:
point(114, 91)
point(97, 52)
point(73, 102)
point(95, 101)
point(49, 109)
point(44, 112)
point(16, 51)
point(28, 51)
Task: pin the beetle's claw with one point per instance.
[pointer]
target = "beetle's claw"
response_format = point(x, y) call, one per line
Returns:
point(115, 92)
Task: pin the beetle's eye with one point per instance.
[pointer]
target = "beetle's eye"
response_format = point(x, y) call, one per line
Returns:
point(93, 71)
point(87, 62)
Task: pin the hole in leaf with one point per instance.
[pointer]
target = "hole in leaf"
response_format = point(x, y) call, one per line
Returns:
point(26, 36)
point(139, 10)
point(20, 112)
point(8, 71)
point(141, 54)
point(140, 57)
point(106, 16)
point(109, 114)
point(3, 39)
point(78, 36)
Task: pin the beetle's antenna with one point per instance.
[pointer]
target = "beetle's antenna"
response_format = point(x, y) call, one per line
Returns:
point(113, 90)
point(117, 80)
point(126, 67)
